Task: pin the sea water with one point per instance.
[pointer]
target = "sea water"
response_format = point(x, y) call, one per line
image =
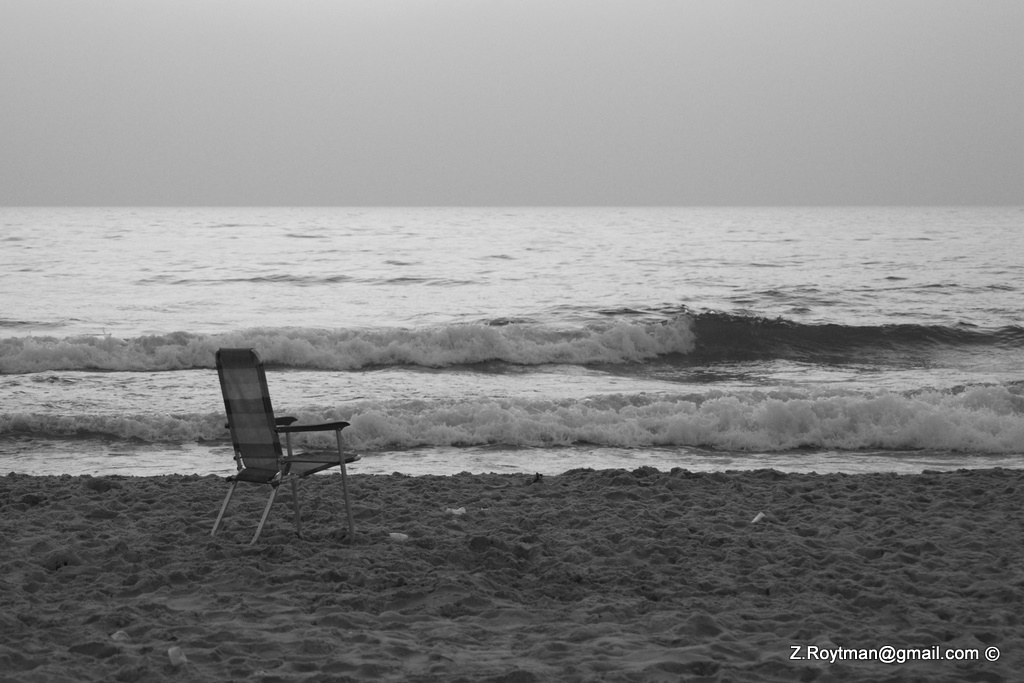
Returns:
point(518, 339)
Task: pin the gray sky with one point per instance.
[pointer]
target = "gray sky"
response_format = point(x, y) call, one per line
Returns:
point(511, 102)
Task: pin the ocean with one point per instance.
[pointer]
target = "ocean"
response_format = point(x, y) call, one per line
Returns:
point(532, 340)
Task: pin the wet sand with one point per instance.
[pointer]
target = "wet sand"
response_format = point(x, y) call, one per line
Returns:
point(590, 575)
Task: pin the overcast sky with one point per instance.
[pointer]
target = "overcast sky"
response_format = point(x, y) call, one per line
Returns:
point(511, 102)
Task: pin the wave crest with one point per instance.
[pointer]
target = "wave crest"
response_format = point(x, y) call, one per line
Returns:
point(726, 336)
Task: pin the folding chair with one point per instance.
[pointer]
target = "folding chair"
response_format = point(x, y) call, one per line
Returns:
point(254, 433)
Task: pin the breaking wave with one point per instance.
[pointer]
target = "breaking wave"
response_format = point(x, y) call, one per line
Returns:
point(703, 337)
point(981, 420)
point(351, 349)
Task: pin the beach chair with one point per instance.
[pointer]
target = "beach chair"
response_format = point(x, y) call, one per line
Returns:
point(254, 433)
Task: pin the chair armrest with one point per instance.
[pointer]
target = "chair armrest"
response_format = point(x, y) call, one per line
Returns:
point(278, 421)
point(326, 427)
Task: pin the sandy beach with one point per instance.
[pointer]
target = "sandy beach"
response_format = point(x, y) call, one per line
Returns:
point(590, 575)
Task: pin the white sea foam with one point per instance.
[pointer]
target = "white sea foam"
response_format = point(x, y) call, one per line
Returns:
point(983, 420)
point(353, 348)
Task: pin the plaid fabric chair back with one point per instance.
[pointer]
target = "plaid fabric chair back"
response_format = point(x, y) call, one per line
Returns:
point(250, 414)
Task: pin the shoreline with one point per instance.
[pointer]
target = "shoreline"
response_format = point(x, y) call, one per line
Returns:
point(100, 458)
point(619, 575)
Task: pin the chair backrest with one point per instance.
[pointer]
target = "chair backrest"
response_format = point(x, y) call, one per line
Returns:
point(250, 414)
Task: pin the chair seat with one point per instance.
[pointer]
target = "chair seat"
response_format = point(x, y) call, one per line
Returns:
point(304, 464)
point(254, 475)
point(320, 456)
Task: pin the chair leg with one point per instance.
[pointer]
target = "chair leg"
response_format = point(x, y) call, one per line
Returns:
point(266, 513)
point(223, 508)
point(344, 488)
point(348, 506)
point(295, 504)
